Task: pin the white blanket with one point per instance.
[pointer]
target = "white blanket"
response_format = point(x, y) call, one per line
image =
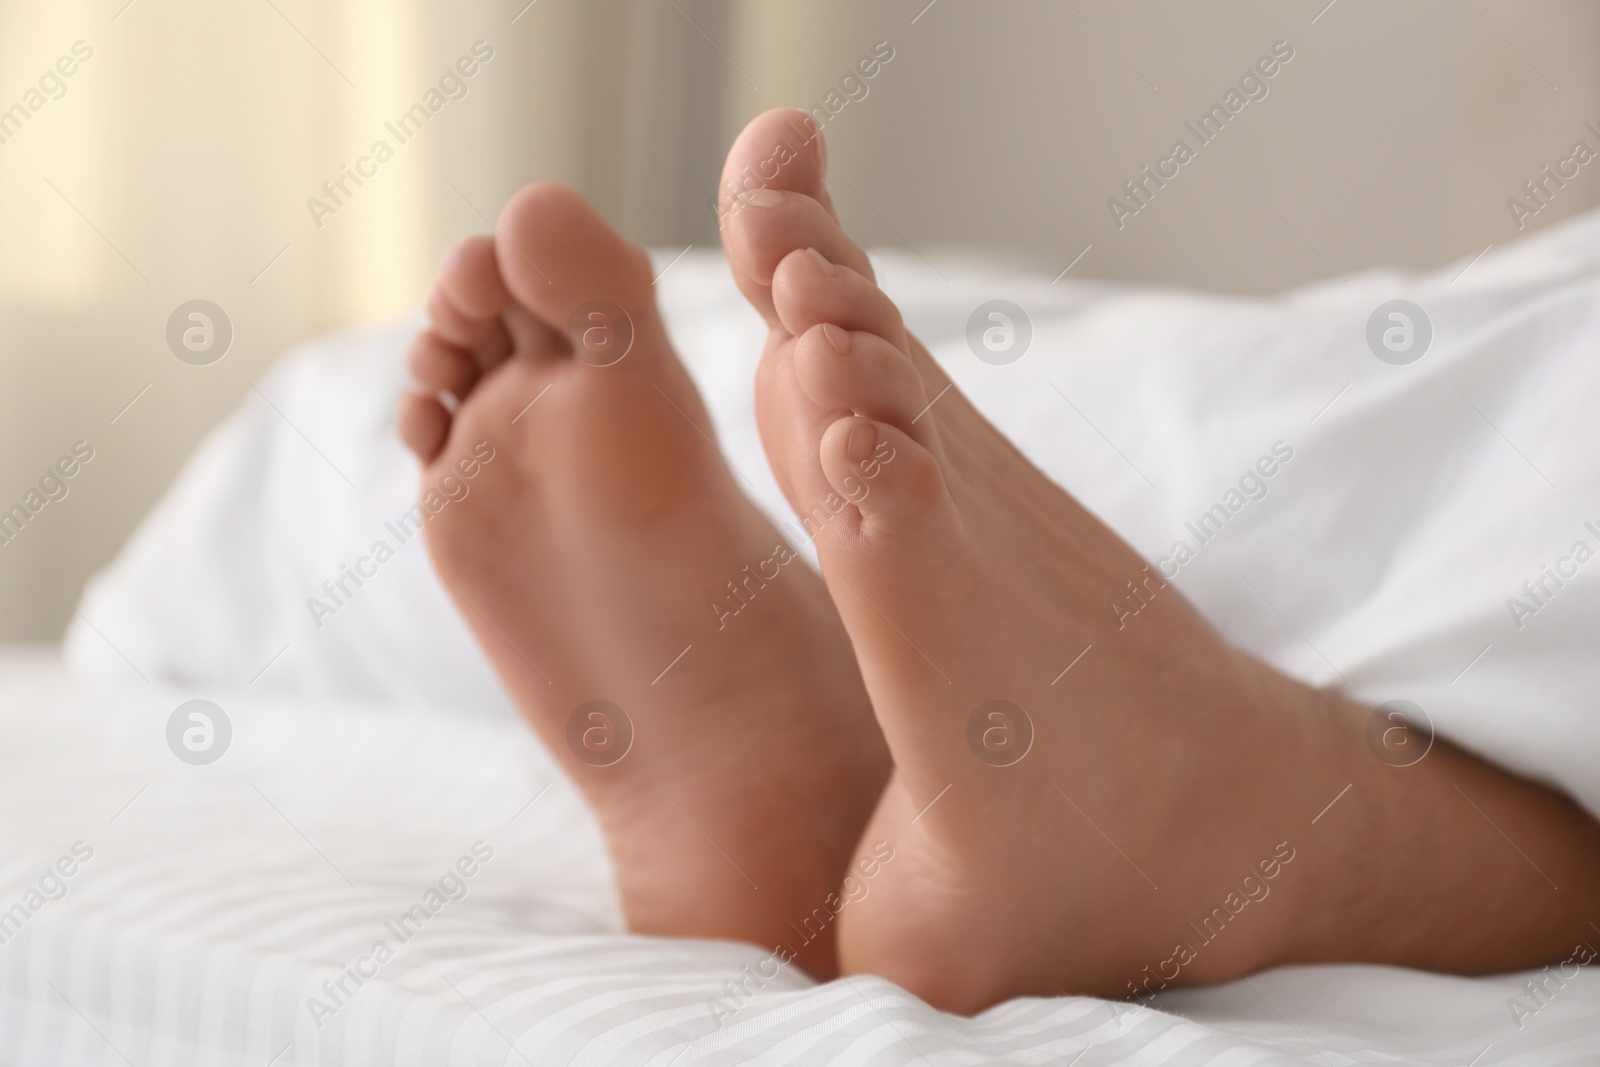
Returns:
point(218, 900)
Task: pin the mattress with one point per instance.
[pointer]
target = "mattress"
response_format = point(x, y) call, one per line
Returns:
point(232, 912)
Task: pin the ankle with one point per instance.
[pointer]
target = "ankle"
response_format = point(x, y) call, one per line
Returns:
point(1307, 865)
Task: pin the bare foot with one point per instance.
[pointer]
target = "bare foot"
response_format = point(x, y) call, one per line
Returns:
point(1094, 792)
point(604, 553)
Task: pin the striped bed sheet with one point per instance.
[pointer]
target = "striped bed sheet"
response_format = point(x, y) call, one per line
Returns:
point(233, 913)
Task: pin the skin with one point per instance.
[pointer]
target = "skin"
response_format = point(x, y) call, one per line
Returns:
point(587, 555)
point(1169, 774)
point(1164, 769)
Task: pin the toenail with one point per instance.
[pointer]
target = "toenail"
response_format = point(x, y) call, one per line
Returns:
point(839, 339)
point(821, 261)
point(762, 197)
point(863, 438)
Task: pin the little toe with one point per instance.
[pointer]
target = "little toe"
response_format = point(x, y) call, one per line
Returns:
point(895, 483)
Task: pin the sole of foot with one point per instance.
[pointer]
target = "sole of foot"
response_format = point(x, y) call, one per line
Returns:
point(655, 630)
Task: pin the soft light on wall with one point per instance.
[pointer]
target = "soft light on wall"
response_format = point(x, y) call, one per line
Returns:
point(178, 160)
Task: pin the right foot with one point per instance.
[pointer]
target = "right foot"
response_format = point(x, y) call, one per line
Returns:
point(587, 556)
point(967, 579)
point(1168, 777)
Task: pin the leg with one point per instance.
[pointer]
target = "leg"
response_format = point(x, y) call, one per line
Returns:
point(1115, 828)
point(604, 552)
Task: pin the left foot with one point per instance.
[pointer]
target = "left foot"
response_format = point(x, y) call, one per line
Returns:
point(604, 554)
point(1067, 839)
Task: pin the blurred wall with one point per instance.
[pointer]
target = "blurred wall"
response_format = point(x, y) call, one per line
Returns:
point(176, 163)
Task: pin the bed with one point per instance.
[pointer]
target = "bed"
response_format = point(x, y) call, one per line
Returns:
point(383, 866)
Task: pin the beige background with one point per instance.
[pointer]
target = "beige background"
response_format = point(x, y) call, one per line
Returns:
point(179, 161)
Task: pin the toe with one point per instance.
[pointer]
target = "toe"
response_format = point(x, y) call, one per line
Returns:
point(423, 424)
point(791, 424)
point(778, 149)
point(471, 278)
point(773, 200)
point(768, 224)
point(567, 266)
point(466, 301)
point(860, 372)
point(531, 335)
point(440, 367)
point(808, 290)
point(895, 483)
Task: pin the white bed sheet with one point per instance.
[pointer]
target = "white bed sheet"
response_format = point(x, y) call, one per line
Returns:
point(219, 899)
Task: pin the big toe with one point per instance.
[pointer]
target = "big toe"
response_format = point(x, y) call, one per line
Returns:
point(778, 149)
point(566, 265)
point(773, 200)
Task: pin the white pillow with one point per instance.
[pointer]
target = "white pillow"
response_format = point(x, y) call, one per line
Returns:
point(213, 586)
point(1382, 560)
